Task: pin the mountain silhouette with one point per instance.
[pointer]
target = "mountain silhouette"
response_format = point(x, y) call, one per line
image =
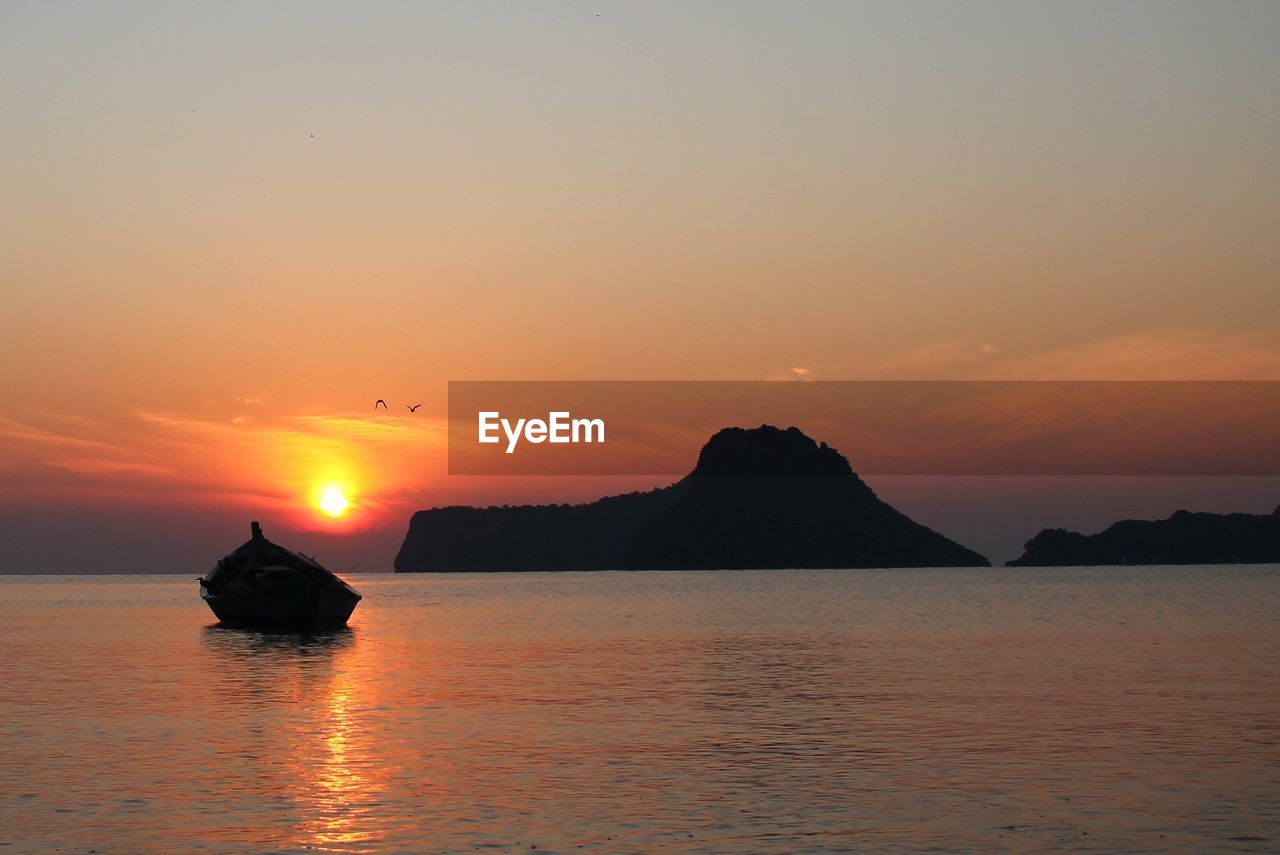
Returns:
point(1183, 538)
point(757, 498)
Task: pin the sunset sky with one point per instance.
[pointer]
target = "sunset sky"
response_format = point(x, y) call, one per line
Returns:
point(226, 229)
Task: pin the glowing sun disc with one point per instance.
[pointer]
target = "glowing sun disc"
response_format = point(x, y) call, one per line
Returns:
point(333, 503)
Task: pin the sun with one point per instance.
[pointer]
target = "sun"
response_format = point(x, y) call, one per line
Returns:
point(332, 502)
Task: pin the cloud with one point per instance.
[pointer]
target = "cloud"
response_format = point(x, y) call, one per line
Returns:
point(204, 460)
point(13, 431)
point(944, 359)
point(1155, 354)
point(96, 466)
point(801, 373)
point(1161, 354)
point(381, 463)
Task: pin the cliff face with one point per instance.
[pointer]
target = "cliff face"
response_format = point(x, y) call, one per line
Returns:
point(757, 498)
point(1184, 538)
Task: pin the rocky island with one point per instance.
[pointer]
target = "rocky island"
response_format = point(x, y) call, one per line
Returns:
point(1183, 538)
point(757, 498)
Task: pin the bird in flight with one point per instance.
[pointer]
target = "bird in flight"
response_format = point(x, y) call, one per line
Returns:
point(414, 408)
point(379, 401)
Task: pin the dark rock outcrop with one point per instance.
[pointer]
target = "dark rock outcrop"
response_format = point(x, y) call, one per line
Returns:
point(1183, 538)
point(758, 498)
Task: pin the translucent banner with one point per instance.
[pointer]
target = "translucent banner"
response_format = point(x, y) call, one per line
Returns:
point(883, 427)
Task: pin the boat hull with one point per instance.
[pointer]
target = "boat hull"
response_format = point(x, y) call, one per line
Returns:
point(294, 604)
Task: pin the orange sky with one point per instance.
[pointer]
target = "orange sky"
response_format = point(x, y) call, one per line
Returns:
point(224, 232)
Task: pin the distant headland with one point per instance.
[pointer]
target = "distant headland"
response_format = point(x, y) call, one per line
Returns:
point(758, 498)
point(1183, 538)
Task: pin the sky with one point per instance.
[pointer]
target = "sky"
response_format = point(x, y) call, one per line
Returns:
point(226, 229)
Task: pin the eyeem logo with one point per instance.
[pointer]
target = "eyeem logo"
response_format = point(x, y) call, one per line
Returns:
point(559, 427)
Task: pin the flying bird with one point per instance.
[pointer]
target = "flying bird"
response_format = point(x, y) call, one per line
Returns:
point(414, 408)
point(379, 401)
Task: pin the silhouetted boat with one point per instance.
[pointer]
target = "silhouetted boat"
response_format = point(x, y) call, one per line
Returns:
point(266, 586)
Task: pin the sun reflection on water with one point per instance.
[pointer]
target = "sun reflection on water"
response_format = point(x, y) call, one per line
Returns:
point(315, 760)
point(342, 788)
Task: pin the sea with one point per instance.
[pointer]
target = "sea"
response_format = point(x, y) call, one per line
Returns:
point(1104, 709)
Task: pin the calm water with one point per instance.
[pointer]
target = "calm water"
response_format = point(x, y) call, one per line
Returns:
point(1103, 710)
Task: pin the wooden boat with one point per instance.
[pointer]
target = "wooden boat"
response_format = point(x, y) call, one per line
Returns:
point(265, 586)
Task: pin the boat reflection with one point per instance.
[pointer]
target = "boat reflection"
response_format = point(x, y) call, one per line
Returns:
point(299, 710)
point(253, 645)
